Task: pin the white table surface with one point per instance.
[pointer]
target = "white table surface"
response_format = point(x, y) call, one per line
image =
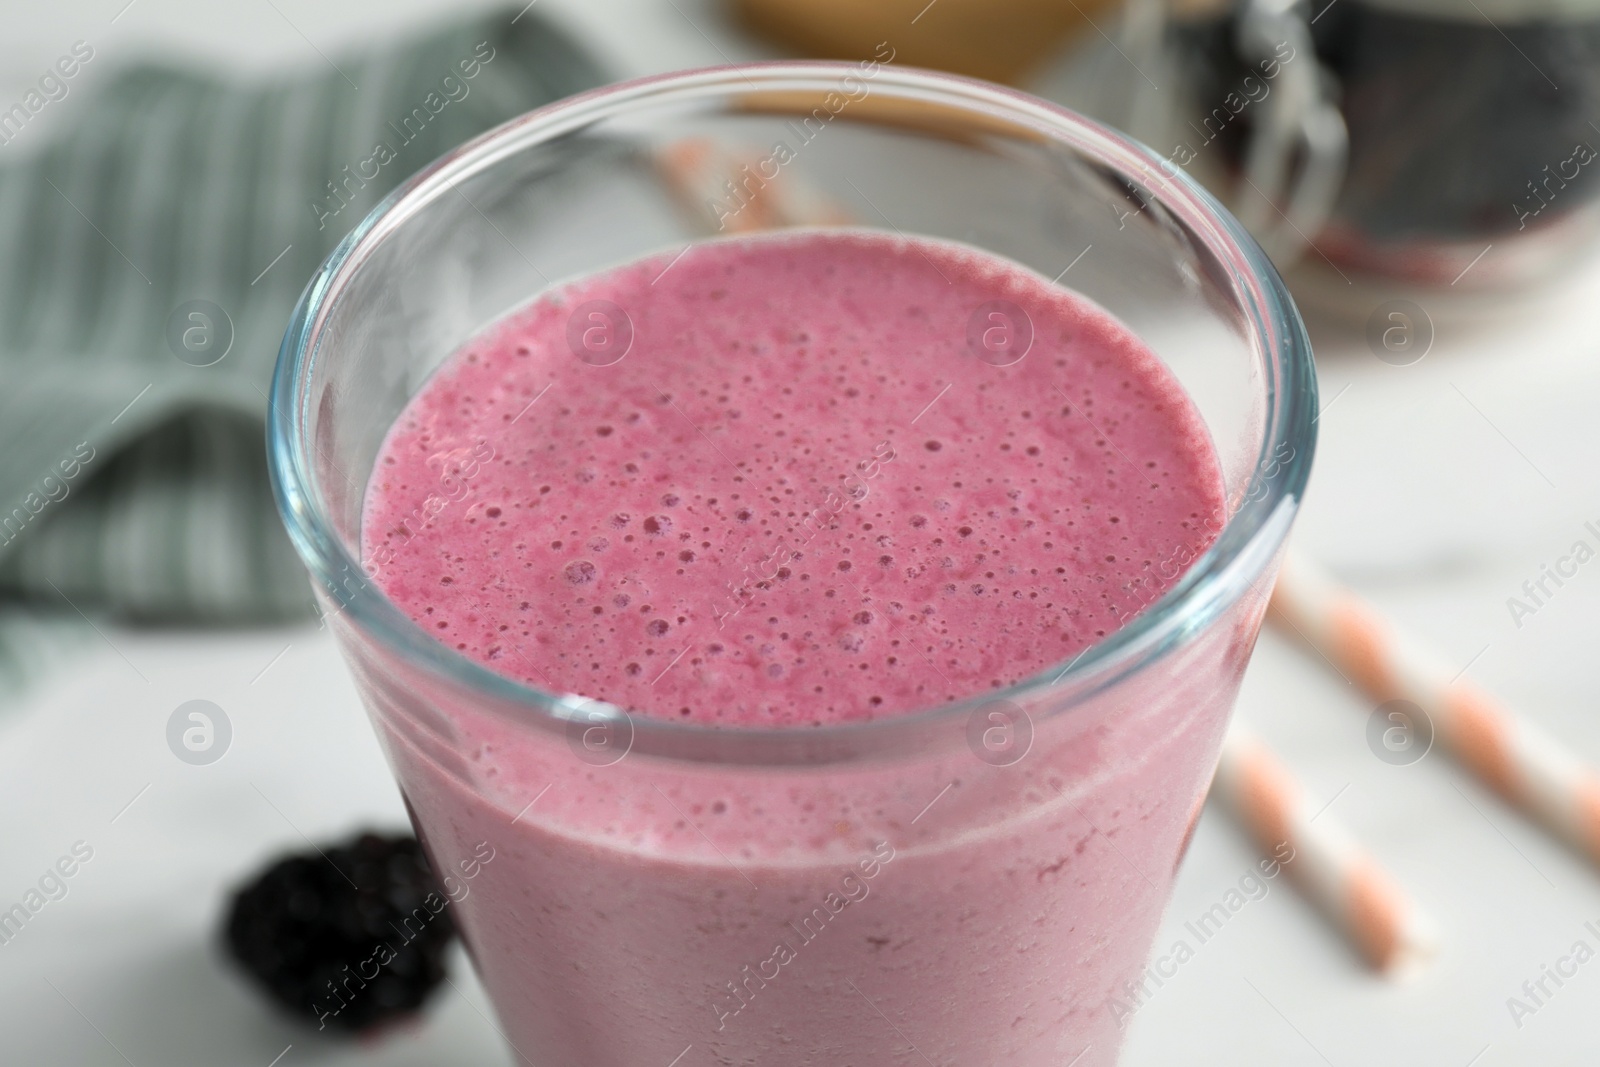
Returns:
point(1439, 488)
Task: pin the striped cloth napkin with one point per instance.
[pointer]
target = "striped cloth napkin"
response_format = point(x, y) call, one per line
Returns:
point(149, 260)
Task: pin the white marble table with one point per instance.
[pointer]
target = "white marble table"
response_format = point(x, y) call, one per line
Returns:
point(1439, 488)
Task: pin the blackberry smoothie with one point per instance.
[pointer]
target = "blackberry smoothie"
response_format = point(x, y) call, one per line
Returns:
point(785, 483)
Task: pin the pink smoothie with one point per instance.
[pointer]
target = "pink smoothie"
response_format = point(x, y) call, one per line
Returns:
point(793, 482)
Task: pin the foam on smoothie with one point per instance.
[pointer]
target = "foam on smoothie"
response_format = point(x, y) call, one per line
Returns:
point(805, 494)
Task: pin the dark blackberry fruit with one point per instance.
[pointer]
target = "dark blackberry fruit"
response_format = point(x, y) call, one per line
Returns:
point(349, 937)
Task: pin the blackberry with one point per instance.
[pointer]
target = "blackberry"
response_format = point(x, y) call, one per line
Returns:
point(349, 937)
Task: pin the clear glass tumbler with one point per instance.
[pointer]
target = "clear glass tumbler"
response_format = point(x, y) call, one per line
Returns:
point(969, 884)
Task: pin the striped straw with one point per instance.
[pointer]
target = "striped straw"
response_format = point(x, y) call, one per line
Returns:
point(1511, 755)
point(1334, 872)
point(736, 193)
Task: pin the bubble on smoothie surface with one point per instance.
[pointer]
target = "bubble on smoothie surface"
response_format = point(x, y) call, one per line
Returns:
point(801, 499)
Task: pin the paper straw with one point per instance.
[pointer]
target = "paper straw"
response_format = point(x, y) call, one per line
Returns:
point(733, 194)
point(1511, 755)
point(1327, 864)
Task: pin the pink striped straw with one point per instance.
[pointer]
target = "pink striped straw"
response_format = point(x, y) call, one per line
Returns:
point(1327, 864)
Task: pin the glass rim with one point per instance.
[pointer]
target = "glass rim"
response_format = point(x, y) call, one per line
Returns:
point(1247, 541)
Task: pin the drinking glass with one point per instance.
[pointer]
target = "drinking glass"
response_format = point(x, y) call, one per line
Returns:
point(972, 883)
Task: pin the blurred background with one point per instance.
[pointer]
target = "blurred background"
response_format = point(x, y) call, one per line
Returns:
point(172, 171)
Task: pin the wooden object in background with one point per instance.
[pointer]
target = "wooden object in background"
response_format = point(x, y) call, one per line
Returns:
point(1002, 40)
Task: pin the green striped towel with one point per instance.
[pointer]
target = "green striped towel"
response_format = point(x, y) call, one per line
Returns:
point(133, 482)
